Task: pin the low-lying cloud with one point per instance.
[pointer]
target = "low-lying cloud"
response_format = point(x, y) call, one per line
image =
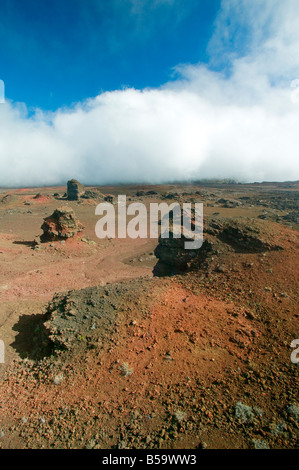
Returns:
point(239, 123)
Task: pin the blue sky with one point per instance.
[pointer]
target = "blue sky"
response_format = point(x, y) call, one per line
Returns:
point(56, 52)
point(151, 91)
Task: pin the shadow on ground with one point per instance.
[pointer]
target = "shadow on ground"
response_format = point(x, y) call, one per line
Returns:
point(26, 243)
point(31, 341)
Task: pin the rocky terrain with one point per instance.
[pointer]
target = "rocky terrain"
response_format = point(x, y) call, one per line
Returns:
point(121, 343)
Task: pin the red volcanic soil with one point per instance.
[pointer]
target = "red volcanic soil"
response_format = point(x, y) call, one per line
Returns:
point(195, 360)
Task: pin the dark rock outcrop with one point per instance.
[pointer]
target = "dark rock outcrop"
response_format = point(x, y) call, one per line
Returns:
point(109, 198)
point(92, 194)
point(74, 190)
point(220, 236)
point(174, 258)
point(171, 252)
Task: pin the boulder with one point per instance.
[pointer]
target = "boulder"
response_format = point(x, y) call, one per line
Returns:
point(62, 224)
point(171, 252)
point(109, 198)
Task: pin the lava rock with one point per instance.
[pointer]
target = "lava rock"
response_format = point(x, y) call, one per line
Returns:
point(61, 225)
point(74, 190)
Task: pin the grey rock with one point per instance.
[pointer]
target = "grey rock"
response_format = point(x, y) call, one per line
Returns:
point(244, 413)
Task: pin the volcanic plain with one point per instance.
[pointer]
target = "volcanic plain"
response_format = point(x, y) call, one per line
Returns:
point(103, 350)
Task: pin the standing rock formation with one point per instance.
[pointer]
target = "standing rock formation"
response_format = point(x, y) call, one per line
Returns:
point(220, 236)
point(74, 190)
point(62, 224)
point(171, 252)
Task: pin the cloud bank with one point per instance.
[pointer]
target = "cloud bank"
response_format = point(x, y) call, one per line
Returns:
point(236, 117)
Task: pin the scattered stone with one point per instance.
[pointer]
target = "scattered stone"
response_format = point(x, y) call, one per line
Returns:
point(260, 444)
point(91, 444)
point(221, 269)
point(168, 357)
point(229, 203)
point(109, 198)
point(122, 445)
point(250, 315)
point(244, 413)
point(293, 411)
point(278, 428)
point(284, 295)
point(258, 411)
point(126, 370)
point(58, 379)
point(180, 416)
point(170, 196)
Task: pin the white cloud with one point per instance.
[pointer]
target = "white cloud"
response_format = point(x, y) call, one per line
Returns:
point(203, 124)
